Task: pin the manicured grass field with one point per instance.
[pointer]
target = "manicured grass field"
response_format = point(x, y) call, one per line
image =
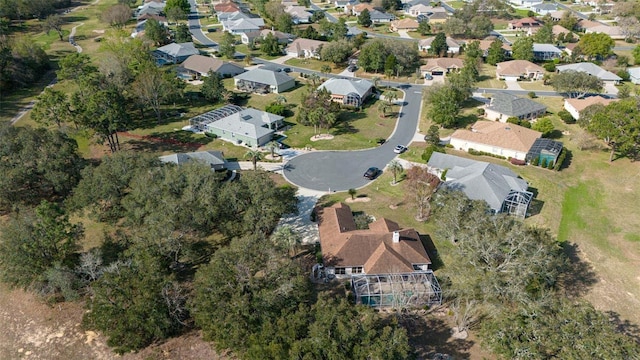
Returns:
point(313, 64)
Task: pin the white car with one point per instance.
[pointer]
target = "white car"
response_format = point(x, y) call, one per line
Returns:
point(399, 149)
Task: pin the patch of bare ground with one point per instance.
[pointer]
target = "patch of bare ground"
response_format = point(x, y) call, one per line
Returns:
point(357, 199)
point(32, 329)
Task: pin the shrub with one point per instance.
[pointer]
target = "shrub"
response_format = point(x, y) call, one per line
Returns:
point(275, 108)
point(561, 159)
point(543, 163)
point(624, 75)
point(443, 176)
point(483, 153)
point(550, 165)
point(535, 161)
point(515, 161)
point(210, 135)
point(566, 117)
point(532, 94)
point(480, 111)
point(550, 67)
point(426, 155)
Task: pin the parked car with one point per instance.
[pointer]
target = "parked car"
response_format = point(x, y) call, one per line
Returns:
point(371, 173)
point(352, 68)
point(287, 70)
point(399, 149)
point(428, 77)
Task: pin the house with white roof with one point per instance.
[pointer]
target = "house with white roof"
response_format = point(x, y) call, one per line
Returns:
point(576, 106)
point(299, 14)
point(175, 53)
point(242, 126)
point(544, 8)
point(214, 159)
point(544, 52)
point(634, 74)
point(615, 32)
point(305, 48)
point(352, 92)
point(453, 46)
point(240, 23)
point(593, 70)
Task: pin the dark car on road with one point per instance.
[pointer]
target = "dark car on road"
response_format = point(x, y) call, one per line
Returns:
point(371, 173)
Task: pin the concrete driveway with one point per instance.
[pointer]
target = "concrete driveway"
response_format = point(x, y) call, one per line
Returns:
point(343, 170)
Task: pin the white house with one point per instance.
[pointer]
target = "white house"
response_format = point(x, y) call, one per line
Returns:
point(305, 48)
point(575, 106)
point(634, 74)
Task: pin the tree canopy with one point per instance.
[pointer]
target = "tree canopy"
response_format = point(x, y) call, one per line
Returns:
point(576, 84)
point(596, 45)
point(522, 48)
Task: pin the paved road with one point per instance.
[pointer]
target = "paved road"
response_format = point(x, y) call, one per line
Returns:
point(196, 29)
point(329, 17)
point(576, 13)
point(343, 170)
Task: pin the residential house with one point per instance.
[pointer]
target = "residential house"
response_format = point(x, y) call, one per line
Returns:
point(615, 32)
point(240, 22)
point(524, 24)
point(437, 18)
point(507, 140)
point(341, 4)
point(256, 36)
point(379, 17)
point(556, 15)
point(486, 44)
point(357, 8)
point(175, 53)
point(305, 48)
point(226, 7)
point(503, 106)
point(157, 17)
point(441, 66)
point(152, 7)
point(214, 159)
point(263, 81)
point(299, 14)
point(514, 70)
point(545, 52)
point(352, 92)
point(247, 126)
point(384, 248)
point(453, 45)
point(584, 24)
point(568, 48)
point(634, 75)
point(575, 106)
point(544, 8)
point(525, 3)
point(502, 189)
point(199, 66)
point(423, 9)
point(404, 24)
point(557, 30)
point(592, 69)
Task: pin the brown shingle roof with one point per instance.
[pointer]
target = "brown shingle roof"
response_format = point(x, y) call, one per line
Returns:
point(581, 104)
point(204, 64)
point(405, 24)
point(517, 67)
point(373, 249)
point(226, 7)
point(443, 63)
point(506, 136)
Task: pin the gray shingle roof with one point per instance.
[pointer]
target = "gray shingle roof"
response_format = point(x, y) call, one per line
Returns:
point(479, 180)
point(249, 122)
point(591, 69)
point(347, 86)
point(213, 158)
point(379, 15)
point(546, 48)
point(512, 105)
point(179, 50)
point(264, 76)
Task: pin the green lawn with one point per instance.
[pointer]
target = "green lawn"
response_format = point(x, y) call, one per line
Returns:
point(456, 4)
point(535, 85)
point(312, 64)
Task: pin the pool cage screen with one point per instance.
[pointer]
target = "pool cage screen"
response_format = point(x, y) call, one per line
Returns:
point(397, 291)
point(517, 203)
point(200, 122)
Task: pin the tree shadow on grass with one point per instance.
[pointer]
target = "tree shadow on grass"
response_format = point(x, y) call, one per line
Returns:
point(465, 120)
point(430, 334)
point(624, 326)
point(578, 275)
point(177, 142)
point(344, 126)
point(432, 251)
point(536, 205)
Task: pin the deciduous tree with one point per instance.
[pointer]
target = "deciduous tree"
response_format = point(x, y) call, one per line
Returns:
point(495, 53)
point(522, 48)
point(52, 107)
point(155, 87)
point(596, 45)
point(180, 4)
point(227, 46)
point(364, 18)
point(421, 185)
point(54, 22)
point(439, 45)
point(117, 15)
point(443, 105)
point(576, 84)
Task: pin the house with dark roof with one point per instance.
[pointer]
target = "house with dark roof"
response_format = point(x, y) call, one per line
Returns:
point(214, 159)
point(242, 126)
point(175, 53)
point(257, 36)
point(352, 92)
point(545, 151)
point(379, 17)
point(544, 8)
point(503, 106)
point(502, 189)
point(263, 81)
point(506, 140)
point(593, 70)
point(514, 70)
point(384, 248)
point(198, 66)
point(524, 24)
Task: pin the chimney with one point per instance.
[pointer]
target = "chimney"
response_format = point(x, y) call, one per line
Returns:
point(396, 237)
